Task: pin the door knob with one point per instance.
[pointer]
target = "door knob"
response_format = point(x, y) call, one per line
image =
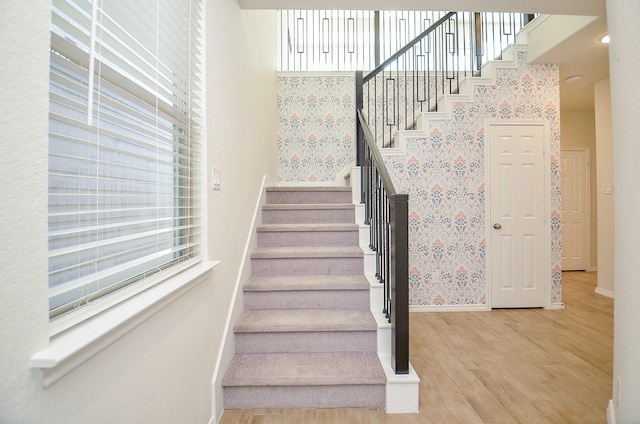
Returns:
point(497, 226)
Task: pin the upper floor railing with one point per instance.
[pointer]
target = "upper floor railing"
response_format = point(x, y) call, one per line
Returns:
point(350, 40)
point(414, 79)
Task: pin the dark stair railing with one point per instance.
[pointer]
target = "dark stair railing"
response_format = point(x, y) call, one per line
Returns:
point(388, 99)
point(386, 210)
point(386, 213)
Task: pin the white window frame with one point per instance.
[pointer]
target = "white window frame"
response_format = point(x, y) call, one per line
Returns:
point(77, 336)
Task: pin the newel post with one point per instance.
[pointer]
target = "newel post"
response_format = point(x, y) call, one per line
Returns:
point(399, 211)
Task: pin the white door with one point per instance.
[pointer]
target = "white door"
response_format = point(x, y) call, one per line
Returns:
point(575, 209)
point(517, 216)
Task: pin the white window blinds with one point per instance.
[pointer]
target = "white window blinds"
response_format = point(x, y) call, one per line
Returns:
point(124, 144)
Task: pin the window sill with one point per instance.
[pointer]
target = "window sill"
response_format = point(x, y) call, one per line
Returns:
point(68, 350)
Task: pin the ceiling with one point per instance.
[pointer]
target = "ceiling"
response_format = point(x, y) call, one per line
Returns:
point(554, 7)
point(578, 54)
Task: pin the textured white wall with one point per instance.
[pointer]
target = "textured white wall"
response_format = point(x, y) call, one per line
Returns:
point(161, 371)
point(242, 138)
point(624, 63)
point(24, 77)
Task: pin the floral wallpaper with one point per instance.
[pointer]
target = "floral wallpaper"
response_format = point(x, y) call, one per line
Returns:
point(442, 170)
point(443, 173)
point(316, 126)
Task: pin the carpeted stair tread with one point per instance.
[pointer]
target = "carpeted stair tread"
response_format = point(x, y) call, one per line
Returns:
point(307, 337)
point(302, 369)
point(306, 227)
point(306, 206)
point(332, 194)
point(307, 282)
point(307, 252)
point(305, 320)
point(344, 189)
point(289, 213)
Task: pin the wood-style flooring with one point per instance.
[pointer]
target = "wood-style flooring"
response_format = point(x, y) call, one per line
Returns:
point(504, 366)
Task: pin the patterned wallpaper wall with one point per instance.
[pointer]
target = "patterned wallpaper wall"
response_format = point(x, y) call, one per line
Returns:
point(316, 126)
point(443, 173)
point(442, 170)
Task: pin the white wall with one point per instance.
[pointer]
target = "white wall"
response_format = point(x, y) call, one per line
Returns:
point(604, 152)
point(161, 371)
point(624, 63)
point(578, 130)
point(24, 31)
point(242, 139)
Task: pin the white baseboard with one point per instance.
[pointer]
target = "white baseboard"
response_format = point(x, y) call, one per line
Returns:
point(611, 413)
point(450, 308)
point(603, 292)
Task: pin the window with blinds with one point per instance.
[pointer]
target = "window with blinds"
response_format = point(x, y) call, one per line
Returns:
point(124, 144)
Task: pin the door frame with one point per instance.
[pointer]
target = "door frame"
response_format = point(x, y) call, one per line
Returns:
point(587, 177)
point(546, 158)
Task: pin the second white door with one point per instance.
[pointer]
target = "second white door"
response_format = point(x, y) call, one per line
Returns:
point(517, 213)
point(575, 212)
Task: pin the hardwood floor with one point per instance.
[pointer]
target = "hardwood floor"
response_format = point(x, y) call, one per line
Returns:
point(504, 366)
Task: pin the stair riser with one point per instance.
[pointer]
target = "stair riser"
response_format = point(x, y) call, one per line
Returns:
point(368, 396)
point(306, 197)
point(346, 341)
point(306, 266)
point(307, 299)
point(307, 238)
point(308, 216)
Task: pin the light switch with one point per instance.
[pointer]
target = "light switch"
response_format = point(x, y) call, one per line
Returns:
point(215, 178)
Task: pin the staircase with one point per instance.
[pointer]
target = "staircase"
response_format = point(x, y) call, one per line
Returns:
point(307, 338)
